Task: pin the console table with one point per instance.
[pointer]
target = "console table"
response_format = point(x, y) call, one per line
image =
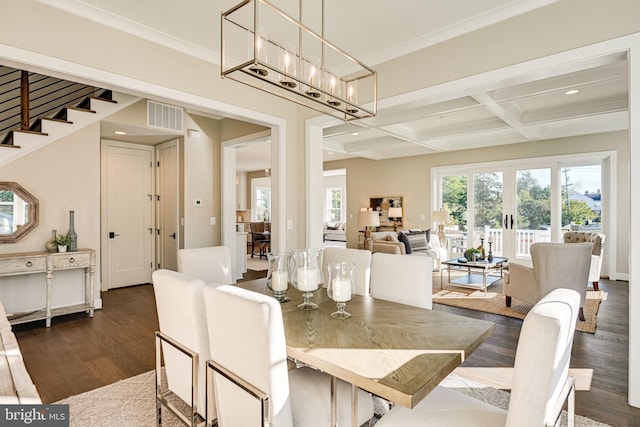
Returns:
point(48, 263)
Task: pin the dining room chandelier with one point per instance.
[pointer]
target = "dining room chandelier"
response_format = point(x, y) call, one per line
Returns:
point(266, 48)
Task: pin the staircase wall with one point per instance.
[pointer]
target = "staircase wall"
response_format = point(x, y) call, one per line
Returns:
point(63, 176)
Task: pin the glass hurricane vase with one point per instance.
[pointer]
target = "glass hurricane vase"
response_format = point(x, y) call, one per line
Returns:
point(341, 286)
point(278, 275)
point(306, 275)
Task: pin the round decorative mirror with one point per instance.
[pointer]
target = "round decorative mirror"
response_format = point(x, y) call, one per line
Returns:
point(18, 212)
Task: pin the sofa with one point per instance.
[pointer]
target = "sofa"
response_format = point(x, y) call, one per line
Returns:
point(336, 231)
point(410, 243)
point(597, 239)
point(16, 386)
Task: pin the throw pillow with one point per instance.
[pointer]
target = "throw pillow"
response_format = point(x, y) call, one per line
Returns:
point(402, 237)
point(428, 234)
point(418, 242)
point(392, 238)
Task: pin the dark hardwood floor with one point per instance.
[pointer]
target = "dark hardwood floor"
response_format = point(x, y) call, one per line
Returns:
point(78, 354)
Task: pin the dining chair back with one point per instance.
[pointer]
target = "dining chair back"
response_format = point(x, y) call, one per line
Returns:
point(541, 382)
point(403, 279)
point(361, 259)
point(212, 264)
point(182, 319)
point(248, 331)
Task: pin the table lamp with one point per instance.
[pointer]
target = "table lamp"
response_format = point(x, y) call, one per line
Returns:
point(367, 219)
point(442, 218)
point(395, 213)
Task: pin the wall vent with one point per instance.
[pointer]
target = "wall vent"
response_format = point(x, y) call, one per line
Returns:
point(164, 116)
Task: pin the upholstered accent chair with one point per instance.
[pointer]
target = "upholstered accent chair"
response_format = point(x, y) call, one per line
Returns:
point(402, 279)
point(183, 342)
point(597, 239)
point(212, 264)
point(360, 258)
point(541, 382)
point(248, 331)
point(555, 265)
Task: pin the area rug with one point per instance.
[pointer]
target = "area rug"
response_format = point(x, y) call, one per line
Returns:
point(257, 264)
point(131, 403)
point(473, 299)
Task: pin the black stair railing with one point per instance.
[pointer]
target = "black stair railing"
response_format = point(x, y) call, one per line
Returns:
point(45, 96)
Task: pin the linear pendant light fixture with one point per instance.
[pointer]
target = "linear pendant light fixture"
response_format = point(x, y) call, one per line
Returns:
point(265, 48)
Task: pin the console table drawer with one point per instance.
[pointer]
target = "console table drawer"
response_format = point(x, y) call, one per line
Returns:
point(70, 260)
point(23, 265)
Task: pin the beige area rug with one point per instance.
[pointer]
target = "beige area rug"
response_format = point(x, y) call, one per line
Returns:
point(257, 264)
point(131, 403)
point(473, 299)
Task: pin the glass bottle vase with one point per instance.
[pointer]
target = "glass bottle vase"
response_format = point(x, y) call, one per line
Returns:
point(72, 233)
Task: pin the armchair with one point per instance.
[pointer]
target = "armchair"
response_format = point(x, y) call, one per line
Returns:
point(555, 265)
point(597, 239)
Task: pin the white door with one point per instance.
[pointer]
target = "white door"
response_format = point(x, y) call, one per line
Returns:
point(167, 215)
point(127, 214)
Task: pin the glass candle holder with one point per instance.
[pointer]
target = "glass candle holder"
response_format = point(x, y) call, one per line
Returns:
point(306, 275)
point(340, 286)
point(278, 275)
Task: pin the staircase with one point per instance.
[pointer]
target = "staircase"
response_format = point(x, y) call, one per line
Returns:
point(84, 105)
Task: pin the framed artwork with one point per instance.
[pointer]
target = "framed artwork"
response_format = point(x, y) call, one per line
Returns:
point(382, 205)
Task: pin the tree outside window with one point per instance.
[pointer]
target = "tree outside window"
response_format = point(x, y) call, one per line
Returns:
point(334, 205)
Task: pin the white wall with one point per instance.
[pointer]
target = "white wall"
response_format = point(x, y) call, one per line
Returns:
point(63, 176)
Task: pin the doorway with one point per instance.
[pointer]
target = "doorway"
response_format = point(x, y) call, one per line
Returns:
point(127, 225)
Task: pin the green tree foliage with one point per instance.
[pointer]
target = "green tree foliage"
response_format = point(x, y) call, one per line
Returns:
point(577, 212)
point(488, 198)
point(534, 207)
point(454, 199)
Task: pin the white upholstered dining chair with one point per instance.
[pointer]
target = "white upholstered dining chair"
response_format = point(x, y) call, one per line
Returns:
point(212, 264)
point(541, 383)
point(246, 333)
point(183, 343)
point(361, 259)
point(402, 279)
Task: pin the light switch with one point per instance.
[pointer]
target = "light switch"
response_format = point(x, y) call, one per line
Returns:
point(289, 224)
point(212, 220)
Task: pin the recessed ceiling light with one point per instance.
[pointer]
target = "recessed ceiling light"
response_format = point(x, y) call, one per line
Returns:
point(120, 132)
point(355, 134)
point(571, 92)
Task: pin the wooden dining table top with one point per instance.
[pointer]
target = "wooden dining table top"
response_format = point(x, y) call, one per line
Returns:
point(396, 351)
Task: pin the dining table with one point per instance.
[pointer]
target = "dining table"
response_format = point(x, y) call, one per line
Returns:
point(395, 351)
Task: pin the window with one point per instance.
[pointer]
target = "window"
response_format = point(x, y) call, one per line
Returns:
point(263, 204)
point(519, 203)
point(334, 205)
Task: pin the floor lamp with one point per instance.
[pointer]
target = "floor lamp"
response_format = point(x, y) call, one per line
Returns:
point(442, 218)
point(368, 219)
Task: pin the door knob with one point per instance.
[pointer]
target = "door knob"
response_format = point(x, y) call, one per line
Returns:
point(173, 235)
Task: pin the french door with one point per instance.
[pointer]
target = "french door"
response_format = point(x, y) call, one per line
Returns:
point(508, 207)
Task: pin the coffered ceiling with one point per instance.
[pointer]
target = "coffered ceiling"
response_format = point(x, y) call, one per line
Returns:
point(531, 107)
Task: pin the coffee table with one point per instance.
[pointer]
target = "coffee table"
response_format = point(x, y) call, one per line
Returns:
point(480, 274)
